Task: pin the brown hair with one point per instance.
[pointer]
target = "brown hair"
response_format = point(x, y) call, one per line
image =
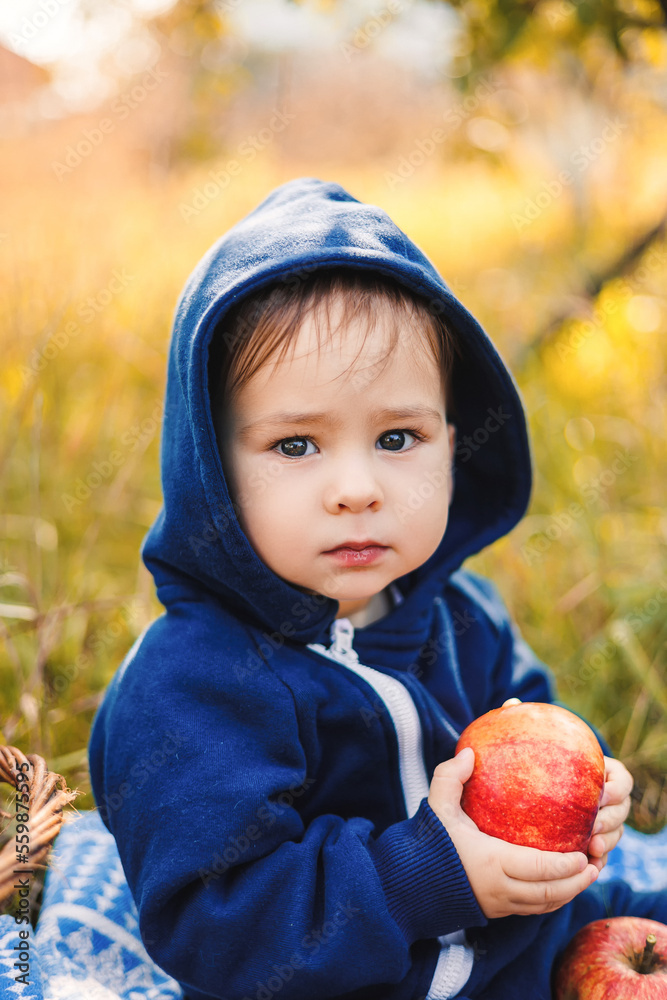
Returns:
point(269, 320)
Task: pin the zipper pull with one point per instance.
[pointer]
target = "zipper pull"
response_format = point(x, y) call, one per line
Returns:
point(343, 635)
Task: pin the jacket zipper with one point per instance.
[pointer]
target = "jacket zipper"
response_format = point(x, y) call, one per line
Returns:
point(400, 706)
point(456, 956)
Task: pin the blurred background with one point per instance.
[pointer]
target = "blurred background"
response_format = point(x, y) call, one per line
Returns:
point(522, 145)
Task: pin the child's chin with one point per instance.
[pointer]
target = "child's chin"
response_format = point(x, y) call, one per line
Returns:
point(350, 590)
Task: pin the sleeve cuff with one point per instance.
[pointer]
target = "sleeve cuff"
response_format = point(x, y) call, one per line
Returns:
point(425, 884)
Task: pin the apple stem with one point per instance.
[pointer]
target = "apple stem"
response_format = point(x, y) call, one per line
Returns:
point(646, 961)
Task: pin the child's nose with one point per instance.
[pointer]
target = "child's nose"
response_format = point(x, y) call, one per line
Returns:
point(354, 485)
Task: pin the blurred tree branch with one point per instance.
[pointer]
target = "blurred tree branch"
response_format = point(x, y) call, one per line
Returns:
point(593, 285)
point(497, 29)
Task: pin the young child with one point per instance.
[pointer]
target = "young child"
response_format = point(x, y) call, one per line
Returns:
point(275, 757)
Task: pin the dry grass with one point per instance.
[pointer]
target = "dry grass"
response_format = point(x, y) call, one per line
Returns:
point(589, 590)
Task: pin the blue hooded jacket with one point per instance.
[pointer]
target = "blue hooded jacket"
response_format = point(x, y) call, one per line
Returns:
point(265, 767)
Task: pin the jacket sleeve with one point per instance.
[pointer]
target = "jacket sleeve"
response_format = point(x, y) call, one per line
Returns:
point(200, 777)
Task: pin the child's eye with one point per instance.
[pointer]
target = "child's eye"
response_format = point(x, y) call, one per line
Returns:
point(295, 447)
point(395, 440)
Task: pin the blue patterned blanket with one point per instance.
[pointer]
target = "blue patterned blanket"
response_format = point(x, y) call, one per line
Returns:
point(87, 944)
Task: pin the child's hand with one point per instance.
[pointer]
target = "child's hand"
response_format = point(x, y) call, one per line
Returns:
point(615, 807)
point(505, 878)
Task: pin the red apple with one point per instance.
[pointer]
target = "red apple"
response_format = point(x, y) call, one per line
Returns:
point(538, 776)
point(621, 958)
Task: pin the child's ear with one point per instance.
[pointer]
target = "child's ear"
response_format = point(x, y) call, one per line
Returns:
point(451, 433)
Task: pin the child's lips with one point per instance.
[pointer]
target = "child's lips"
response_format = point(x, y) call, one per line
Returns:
point(357, 554)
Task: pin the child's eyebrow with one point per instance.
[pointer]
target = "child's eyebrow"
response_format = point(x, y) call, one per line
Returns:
point(417, 412)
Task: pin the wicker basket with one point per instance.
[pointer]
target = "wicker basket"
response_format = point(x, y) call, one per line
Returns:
point(49, 794)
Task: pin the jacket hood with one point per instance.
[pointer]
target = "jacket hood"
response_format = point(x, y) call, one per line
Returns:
point(196, 547)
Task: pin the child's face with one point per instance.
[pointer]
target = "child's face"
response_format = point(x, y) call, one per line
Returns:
point(317, 456)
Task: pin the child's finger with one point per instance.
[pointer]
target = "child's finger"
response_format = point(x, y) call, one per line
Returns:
point(530, 865)
point(601, 844)
point(446, 787)
point(455, 771)
point(611, 817)
point(542, 897)
point(618, 782)
point(599, 862)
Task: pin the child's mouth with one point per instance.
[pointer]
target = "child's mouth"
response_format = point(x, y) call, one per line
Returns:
point(345, 555)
